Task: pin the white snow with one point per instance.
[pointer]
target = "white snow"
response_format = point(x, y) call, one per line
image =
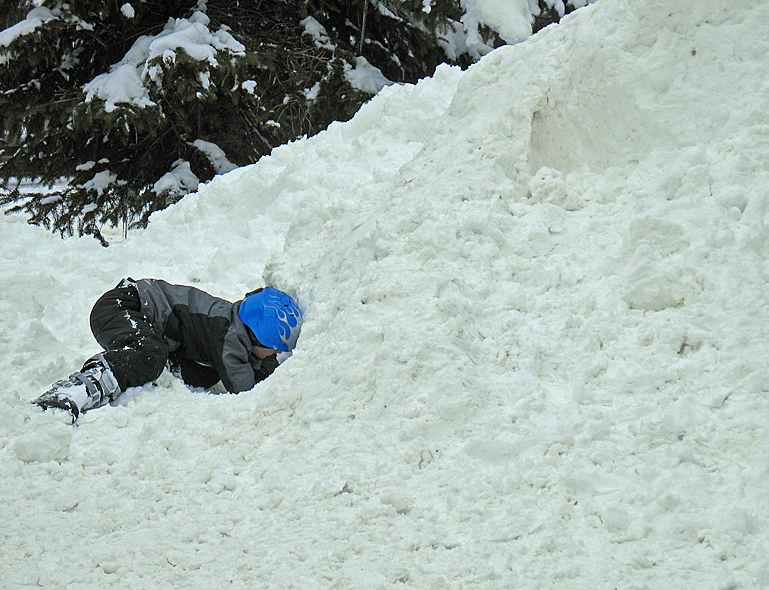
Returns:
point(365, 76)
point(122, 84)
point(534, 353)
point(215, 155)
point(126, 82)
point(86, 166)
point(179, 181)
point(127, 10)
point(35, 18)
point(195, 39)
point(100, 182)
point(510, 18)
point(249, 86)
point(312, 92)
point(318, 32)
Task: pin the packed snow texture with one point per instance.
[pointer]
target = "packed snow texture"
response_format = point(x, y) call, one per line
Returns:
point(534, 353)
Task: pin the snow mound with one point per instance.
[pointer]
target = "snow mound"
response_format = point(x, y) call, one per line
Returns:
point(46, 444)
point(534, 349)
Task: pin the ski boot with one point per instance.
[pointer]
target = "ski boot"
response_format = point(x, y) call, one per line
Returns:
point(93, 386)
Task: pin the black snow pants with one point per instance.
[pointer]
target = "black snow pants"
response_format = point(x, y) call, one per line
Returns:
point(134, 350)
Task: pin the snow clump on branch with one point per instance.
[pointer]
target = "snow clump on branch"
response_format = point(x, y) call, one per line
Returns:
point(125, 83)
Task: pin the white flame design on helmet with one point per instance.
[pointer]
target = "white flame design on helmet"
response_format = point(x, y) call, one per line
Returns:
point(288, 314)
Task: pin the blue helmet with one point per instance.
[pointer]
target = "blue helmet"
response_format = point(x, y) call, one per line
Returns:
point(273, 316)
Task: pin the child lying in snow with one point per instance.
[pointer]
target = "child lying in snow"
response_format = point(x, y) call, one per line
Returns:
point(144, 324)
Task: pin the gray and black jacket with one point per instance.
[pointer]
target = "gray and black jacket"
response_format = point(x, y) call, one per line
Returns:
point(204, 334)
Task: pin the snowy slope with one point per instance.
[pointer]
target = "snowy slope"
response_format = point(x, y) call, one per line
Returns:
point(534, 354)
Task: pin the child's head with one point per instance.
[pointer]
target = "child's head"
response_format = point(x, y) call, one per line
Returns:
point(273, 316)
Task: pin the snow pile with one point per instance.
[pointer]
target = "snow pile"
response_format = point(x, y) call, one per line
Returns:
point(534, 351)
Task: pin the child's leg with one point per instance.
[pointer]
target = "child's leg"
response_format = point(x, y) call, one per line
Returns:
point(134, 350)
point(134, 355)
point(93, 386)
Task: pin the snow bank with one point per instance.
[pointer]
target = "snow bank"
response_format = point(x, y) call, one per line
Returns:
point(534, 351)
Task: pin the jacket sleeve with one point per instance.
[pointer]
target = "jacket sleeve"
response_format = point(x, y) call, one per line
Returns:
point(241, 369)
point(235, 369)
point(263, 368)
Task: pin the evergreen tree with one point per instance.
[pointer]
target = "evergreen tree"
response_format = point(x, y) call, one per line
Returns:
point(111, 121)
point(122, 108)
